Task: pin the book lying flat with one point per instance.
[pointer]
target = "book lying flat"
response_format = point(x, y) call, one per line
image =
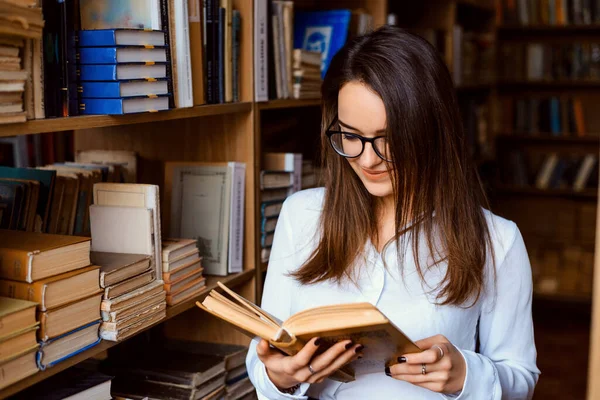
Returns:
point(18, 367)
point(67, 345)
point(63, 319)
point(123, 313)
point(18, 342)
point(124, 333)
point(234, 355)
point(15, 315)
point(116, 267)
point(363, 323)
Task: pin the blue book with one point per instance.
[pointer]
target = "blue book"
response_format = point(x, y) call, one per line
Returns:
point(115, 72)
point(75, 341)
point(324, 31)
point(126, 105)
point(118, 55)
point(270, 208)
point(121, 37)
point(266, 240)
point(268, 224)
point(105, 90)
point(555, 116)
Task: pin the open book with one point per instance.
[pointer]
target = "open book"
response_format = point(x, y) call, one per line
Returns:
point(361, 322)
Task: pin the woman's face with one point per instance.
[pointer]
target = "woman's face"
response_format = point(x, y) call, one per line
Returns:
point(361, 111)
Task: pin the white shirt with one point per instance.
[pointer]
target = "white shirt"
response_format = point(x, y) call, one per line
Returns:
point(504, 368)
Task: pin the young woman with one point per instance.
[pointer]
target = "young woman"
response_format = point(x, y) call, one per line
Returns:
point(401, 224)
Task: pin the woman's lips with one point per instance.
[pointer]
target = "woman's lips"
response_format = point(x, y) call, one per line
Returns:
point(374, 175)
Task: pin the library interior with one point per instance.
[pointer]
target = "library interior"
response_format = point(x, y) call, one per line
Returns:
point(124, 112)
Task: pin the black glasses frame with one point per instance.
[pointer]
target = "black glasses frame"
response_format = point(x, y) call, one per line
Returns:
point(362, 139)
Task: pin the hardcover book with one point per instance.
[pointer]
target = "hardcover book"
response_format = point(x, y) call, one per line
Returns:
point(363, 323)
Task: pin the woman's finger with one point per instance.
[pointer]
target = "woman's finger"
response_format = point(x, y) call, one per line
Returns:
point(347, 356)
point(322, 361)
point(417, 369)
point(438, 376)
point(430, 356)
point(303, 357)
point(268, 355)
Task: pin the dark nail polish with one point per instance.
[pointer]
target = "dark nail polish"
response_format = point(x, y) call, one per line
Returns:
point(359, 348)
point(317, 341)
point(401, 360)
point(349, 345)
point(387, 371)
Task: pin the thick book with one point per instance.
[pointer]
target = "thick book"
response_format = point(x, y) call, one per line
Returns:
point(15, 315)
point(128, 285)
point(130, 330)
point(67, 345)
point(124, 105)
point(18, 341)
point(183, 272)
point(192, 289)
point(182, 261)
point(130, 309)
point(284, 162)
point(56, 290)
point(18, 367)
point(363, 323)
point(117, 267)
point(121, 37)
point(136, 88)
point(58, 321)
point(115, 72)
point(117, 55)
point(172, 249)
point(29, 256)
point(132, 299)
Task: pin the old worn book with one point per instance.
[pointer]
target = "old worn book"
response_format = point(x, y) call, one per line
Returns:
point(117, 267)
point(132, 298)
point(191, 290)
point(60, 320)
point(17, 368)
point(128, 285)
point(173, 249)
point(181, 273)
point(18, 341)
point(67, 345)
point(233, 355)
point(174, 287)
point(15, 315)
point(29, 256)
point(140, 316)
point(132, 309)
point(181, 261)
point(56, 290)
point(127, 331)
point(363, 323)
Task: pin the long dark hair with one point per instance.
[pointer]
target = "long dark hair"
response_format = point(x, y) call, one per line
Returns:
point(438, 193)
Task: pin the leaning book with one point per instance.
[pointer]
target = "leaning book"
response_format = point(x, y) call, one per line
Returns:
point(363, 323)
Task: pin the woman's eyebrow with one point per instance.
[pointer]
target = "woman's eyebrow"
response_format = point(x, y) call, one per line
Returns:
point(345, 125)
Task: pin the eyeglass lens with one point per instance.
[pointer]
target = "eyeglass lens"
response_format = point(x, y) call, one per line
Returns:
point(351, 145)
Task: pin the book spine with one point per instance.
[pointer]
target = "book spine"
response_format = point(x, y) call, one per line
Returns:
point(38, 79)
point(100, 89)
point(97, 38)
point(15, 265)
point(102, 107)
point(236, 228)
point(50, 54)
point(235, 37)
point(208, 12)
point(23, 291)
point(28, 99)
point(63, 63)
point(97, 55)
point(196, 50)
point(261, 75)
point(164, 19)
point(72, 27)
point(221, 54)
point(228, 51)
point(98, 72)
point(215, 50)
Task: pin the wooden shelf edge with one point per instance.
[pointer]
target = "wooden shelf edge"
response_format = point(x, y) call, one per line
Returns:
point(231, 281)
point(477, 5)
point(100, 121)
point(290, 103)
point(546, 137)
point(587, 194)
point(545, 28)
point(563, 297)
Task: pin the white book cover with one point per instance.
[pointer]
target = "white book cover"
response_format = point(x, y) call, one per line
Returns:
point(125, 230)
point(261, 71)
point(184, 58)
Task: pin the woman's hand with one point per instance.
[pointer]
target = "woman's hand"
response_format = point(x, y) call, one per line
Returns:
point(445, 368)
point(287, 371)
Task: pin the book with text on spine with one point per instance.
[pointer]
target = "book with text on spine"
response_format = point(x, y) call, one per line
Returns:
point(363, 323)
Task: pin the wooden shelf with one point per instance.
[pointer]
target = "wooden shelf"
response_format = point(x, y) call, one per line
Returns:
point(231, 281)
point(474, 87)
point(100, 121)
point(587, 194)
point(546, 138)
point(289, 103)
point(549, 29)
point(551, 84)
point(563, 297)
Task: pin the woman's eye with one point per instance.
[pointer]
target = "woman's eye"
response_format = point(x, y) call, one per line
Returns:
point(350, 137)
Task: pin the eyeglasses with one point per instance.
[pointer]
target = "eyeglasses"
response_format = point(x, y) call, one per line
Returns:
point(351, 145)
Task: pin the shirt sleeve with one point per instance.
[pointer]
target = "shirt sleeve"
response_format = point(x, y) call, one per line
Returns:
point(276, 301)
point(505, 367)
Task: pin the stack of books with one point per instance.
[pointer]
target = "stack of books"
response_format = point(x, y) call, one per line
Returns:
point(311, 175)
point(125, 221)
point(123, 71)
point(55, 272)
point(21, 23)
point(281, 176)
point(307, 74)
point(181, 370)
point(182, 270)
point(18, 343)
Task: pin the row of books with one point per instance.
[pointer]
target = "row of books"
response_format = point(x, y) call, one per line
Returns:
point(20, 26)
point(543, 61)
point(472, 56)
point(551, 170)
point(174, 369)
point(280, 30)
point(547, 12)
point(567, 270)
point(282, 175)
point(554, 116)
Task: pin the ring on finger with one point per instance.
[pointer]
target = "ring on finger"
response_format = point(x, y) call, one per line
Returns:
point(310, 368)
point(423, 368)
point(440, 349)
